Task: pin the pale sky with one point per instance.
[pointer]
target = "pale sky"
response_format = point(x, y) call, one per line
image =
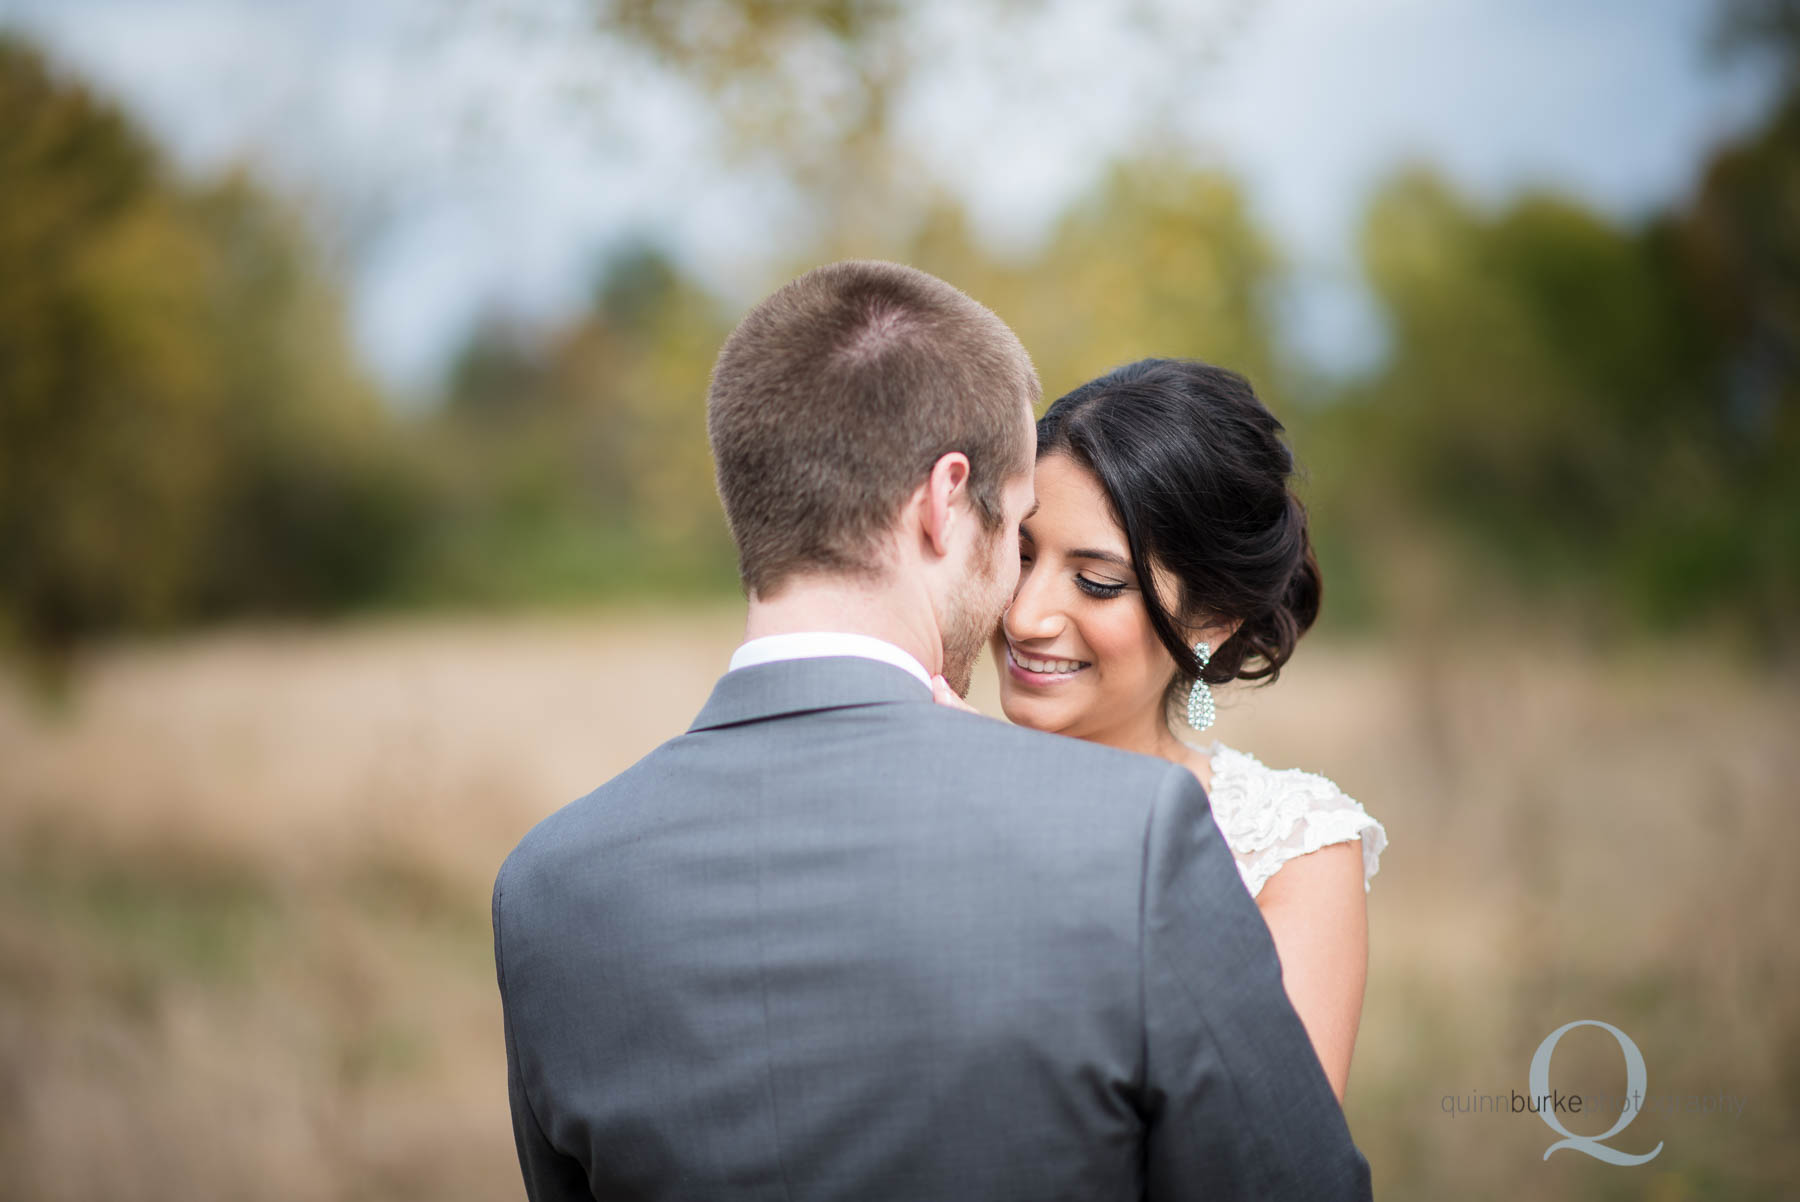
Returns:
point(470, 154)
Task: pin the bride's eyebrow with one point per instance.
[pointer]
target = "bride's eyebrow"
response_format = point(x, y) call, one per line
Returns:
point(1102, 556)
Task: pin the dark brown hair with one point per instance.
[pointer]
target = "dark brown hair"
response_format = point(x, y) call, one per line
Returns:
point(1197, 475)
point(833, 398)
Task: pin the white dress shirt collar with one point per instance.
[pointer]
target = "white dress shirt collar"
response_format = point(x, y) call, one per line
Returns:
point(806, 644)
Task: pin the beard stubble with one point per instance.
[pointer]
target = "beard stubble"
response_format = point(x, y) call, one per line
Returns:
point(974, 613)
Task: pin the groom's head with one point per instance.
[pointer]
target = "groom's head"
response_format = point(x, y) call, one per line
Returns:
point(869, 421)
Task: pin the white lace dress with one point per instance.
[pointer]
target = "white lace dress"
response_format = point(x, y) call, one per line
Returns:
point(1270, 815)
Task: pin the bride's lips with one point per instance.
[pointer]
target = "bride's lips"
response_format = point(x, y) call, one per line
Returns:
point(1024, 675)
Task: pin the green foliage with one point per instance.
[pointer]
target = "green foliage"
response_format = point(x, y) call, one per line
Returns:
point(1602, 418)
point(577, 461)
point(582, 467)
point(1560, 394)
point(1161, 259)
point(183, 428)
point(108, 390)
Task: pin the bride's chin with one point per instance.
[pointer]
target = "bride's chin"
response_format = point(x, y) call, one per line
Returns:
point(1021, 711)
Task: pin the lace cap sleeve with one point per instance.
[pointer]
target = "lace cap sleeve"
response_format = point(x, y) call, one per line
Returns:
point(1269, 816)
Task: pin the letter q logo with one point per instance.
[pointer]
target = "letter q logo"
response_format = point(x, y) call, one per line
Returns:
point(1635, 1078)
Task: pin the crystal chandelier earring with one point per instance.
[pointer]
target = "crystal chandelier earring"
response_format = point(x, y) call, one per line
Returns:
point(1200, 698)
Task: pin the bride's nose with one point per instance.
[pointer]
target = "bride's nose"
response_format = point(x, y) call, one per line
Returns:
point(1032, 614)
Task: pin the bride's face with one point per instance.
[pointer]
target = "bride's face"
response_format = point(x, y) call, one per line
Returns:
point(1075, 649)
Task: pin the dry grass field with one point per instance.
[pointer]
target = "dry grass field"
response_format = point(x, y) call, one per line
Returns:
point(244, 945)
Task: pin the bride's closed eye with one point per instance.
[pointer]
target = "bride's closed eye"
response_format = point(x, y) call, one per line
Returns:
point(1099, 589)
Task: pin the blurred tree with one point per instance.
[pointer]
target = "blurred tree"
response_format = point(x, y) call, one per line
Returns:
point(108, 392)
point(1161, 259)
point(1739, 247)
point(1558, 394)
point(818, 90)
point(497, 378)
point(185, 433)
point(1762, 27)
point(323, 495)
point(1607, 415)
point(182, 431)
point(650, 347)
point(583, 465)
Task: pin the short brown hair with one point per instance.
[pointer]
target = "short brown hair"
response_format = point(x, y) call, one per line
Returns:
point(835, 395)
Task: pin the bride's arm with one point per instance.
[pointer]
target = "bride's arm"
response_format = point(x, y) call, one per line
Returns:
point(1317, 911)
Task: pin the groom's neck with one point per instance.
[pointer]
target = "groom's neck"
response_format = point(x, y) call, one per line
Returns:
point(900, 615)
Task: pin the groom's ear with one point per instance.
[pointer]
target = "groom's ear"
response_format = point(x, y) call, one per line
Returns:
point(945, 497)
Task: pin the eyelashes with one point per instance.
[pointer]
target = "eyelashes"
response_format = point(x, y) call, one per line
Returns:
point(1093, 588)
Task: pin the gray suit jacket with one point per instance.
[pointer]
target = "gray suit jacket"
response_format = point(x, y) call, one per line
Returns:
point(839, 942)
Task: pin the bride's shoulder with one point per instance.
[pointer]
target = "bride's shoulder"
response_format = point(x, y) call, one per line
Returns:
point(1246, 770)
point(1270, 815)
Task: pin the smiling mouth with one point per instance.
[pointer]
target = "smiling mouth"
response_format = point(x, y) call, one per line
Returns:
point(1050, 669)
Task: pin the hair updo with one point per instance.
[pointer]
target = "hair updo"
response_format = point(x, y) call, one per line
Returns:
point(1198, 478)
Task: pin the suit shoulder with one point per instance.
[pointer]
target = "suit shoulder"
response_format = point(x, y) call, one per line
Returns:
point(1040, 754)
point(1062, 748)
point(565, 830)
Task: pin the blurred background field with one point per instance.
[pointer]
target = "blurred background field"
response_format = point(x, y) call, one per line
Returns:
point(355, 510)
point(244, 944)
